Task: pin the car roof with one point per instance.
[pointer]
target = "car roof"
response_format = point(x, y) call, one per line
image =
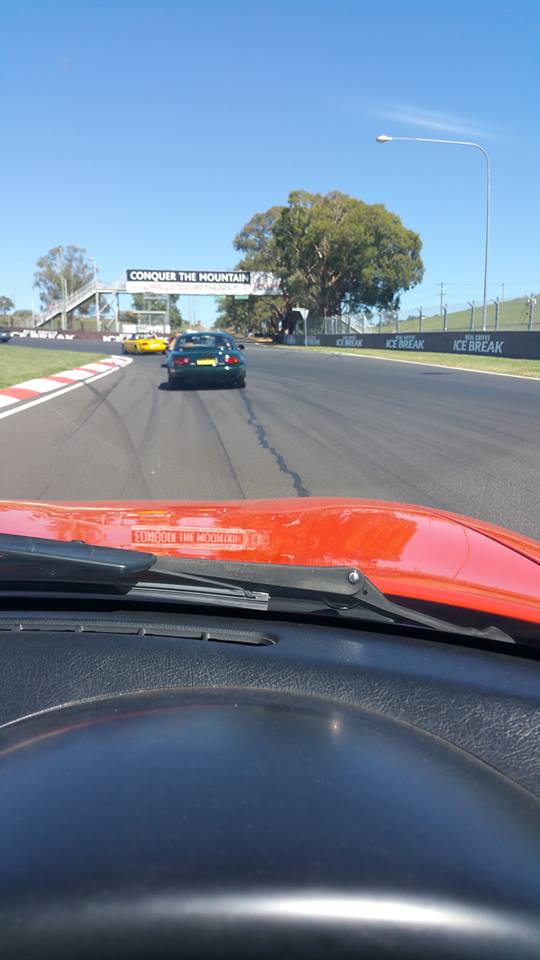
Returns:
point(205, 333)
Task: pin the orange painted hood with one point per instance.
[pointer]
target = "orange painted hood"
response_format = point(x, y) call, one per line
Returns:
point(407, 551)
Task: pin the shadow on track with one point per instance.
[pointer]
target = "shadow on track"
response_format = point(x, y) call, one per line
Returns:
point(197, 387)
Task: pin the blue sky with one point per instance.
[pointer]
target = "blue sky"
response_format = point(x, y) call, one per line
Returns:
point(150, 132)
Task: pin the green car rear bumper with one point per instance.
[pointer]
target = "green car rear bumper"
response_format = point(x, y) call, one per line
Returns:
point(194, 374)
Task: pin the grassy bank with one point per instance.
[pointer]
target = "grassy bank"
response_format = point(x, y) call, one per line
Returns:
point(521, 368)
point(25, 363)
point(514, 315)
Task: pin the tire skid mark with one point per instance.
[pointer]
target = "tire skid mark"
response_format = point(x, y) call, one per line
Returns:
point(102, 398)
point(262, 437)
point(200, 402)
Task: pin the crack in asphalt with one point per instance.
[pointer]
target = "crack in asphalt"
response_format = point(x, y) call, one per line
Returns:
point(262, 437)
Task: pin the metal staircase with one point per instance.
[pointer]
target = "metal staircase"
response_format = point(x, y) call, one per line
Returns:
point(106, 300)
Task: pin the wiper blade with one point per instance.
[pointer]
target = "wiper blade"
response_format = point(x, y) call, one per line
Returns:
point(31, 564)
point(36, 560)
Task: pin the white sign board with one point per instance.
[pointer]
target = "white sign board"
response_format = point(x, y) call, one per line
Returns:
point(225, 283)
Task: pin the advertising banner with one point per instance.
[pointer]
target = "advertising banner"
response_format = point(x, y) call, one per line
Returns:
point(519, 344)
point(203, 282)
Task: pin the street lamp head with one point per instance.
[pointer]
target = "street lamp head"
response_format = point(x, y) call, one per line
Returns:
point(383, 138)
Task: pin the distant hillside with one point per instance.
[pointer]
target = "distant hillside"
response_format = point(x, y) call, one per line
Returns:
point(513, 315)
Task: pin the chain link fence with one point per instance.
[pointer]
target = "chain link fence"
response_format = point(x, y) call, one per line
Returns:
point(520, 313)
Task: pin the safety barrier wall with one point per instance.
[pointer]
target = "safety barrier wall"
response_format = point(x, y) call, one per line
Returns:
point(102, 337)
point(521, 345)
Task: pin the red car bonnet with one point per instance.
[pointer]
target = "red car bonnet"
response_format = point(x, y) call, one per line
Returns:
point(406, 550)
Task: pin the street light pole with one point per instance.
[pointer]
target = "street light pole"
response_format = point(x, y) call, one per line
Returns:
point(463, 143)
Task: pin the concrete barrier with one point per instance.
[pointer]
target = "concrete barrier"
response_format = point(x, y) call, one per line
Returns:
point(28, 333)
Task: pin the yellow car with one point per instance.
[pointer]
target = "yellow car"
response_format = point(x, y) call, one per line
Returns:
point(137, 343)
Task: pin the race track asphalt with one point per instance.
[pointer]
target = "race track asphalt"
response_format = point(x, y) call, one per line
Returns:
point(308, 424)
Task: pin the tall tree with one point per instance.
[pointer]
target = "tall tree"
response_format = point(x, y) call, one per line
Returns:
point(6, 305)
point(260, 314)
point(333, 253)
point(69, 262)
point(256, 242)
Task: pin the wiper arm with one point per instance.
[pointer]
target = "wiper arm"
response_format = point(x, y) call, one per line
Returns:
point(345, 591)
point(28, 563)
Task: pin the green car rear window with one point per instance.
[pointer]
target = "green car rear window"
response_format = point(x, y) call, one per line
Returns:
point(203, 341)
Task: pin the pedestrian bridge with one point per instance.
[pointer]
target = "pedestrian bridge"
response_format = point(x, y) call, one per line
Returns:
point(105, 296)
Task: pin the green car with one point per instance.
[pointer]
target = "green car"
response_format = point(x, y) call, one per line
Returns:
point(209, 358)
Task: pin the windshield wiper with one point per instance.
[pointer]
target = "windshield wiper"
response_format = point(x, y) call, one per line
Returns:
point(344, 591)
point(38, 560)
point(36, 564)
point(30, 563)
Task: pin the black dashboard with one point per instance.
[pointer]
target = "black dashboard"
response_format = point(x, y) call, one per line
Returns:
point(202, 786)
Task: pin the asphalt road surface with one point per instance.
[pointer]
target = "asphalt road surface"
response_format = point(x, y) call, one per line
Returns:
point(307, 425)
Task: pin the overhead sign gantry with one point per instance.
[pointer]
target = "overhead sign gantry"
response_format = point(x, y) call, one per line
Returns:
point(218, 283)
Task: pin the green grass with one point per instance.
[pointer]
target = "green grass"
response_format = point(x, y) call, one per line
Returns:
point(513, 316)
point(522, 368)
point(25, 363)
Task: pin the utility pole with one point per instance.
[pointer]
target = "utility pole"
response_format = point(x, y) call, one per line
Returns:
point(420, 318)
point(531, 301)
point(442, 286)
point(471, 304)
point(502, 300)
point(497, 303)
point(445, 317)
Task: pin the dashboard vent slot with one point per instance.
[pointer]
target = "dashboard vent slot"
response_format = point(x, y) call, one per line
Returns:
point(134, 629)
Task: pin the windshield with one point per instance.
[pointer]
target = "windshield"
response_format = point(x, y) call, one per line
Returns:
point(205, 340)
point(269, 287)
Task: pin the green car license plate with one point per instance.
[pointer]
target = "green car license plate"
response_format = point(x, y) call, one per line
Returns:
point(206, 363)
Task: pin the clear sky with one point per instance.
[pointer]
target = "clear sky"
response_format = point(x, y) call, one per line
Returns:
point(150, 132)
